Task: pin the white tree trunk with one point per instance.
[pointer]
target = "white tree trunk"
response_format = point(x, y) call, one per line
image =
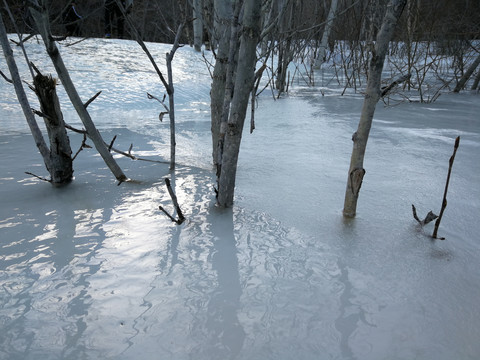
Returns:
point(42, 22)
point(372, 95)
point(198, 24)
point(322, 49)
point(243, 86)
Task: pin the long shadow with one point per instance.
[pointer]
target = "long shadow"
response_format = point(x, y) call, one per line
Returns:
point(52, 262)
point(226, 335)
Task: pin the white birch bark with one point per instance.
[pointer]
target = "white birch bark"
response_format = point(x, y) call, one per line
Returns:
point(243, 86)
point(322, 49)
point(372, 95)
point(41, 19)
point(197, 24)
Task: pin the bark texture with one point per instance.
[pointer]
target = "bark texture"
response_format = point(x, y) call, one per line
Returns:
point(61, 168)
point(223, 24)
point(356, 171)
point(243, 86)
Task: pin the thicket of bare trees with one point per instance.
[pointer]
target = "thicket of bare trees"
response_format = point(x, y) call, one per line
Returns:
point(430, 46)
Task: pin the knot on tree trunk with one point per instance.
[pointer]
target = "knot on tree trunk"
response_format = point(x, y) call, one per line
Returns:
point(356, 179)
point(233, 129)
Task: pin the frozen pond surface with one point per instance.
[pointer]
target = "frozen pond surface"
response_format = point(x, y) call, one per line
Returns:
point(96, 271)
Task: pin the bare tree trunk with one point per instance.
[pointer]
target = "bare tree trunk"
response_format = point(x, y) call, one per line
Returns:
point(322, 50)
point(476, 81)
point(463, 80)
point(229, 84)
point(197, 24)
point(22, 97)
point(61, 170)
point(171, 91)
point(40, 16)
point(222, 32)
point(372, 95)
point(243, 86)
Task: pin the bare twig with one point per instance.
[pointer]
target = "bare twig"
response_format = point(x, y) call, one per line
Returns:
point(38, 177)
point(444, 202)
point(92, 99)
point(111, 143)
point(126, 154)
point(169, 216)
point(429, 218)
point(150, 96)
point(6, 78)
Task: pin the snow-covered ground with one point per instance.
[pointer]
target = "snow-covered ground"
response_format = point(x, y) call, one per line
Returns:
point(96, 271)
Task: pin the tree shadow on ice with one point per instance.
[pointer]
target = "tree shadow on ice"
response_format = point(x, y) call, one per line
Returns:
point(52, 259)
point(224, 332)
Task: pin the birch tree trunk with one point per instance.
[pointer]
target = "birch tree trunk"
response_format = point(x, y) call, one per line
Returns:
point(197, 24)
point(222, 32)
point(22, 97)
point(463, 80)
point(40, 16)
point(243, 86)
point(372, 95)
point(322, 50)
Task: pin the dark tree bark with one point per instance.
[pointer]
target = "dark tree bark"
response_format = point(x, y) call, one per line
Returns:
point(61, 170)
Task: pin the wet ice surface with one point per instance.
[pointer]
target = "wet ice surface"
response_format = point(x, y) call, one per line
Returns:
point(95, 271)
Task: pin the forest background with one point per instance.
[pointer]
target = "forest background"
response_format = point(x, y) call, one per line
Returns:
point(445, 21)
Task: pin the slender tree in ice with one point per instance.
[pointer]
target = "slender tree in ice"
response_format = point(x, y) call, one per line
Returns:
point(356, 171)
point(244, 79)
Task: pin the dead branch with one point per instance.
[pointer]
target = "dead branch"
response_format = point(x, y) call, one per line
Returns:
point(82, 146)
point(444, 202)
point(38, 177)
point(92, 99)
point(111, 143)
point(181, 218)
point(430, 217)
point(169, 216)
point(126, 154)
point(6, 78)
point(386, 89)
point(150, 96)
